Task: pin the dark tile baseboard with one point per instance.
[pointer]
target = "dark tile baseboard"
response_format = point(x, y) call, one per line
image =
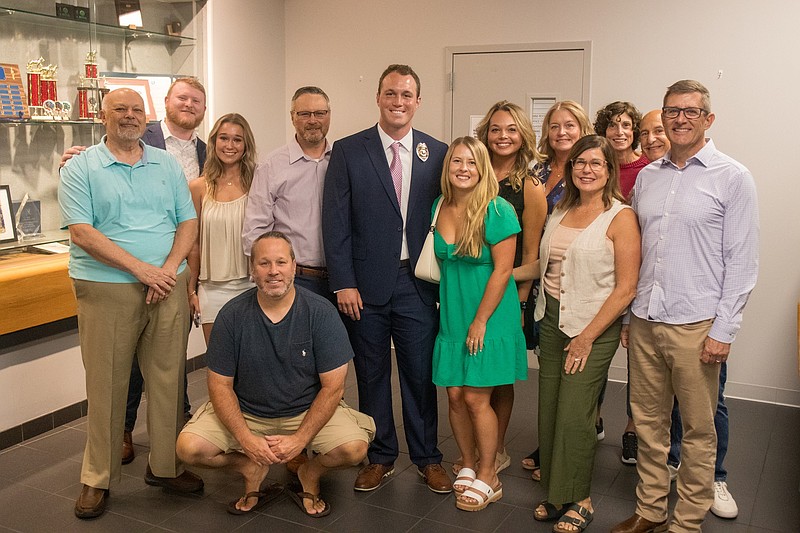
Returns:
point(45, 423)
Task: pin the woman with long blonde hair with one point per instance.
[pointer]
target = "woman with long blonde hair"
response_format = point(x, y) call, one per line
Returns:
point(217, 262)
point(508, 135)
point(480, 344)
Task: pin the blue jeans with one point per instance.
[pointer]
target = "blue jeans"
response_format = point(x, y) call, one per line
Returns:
point(720, 424)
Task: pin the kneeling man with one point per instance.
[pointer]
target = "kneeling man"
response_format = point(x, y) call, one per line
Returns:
point(277, 362)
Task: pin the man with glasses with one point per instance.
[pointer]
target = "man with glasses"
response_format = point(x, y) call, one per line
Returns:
point(655, 145)
point(698, 212)
point(286, 194)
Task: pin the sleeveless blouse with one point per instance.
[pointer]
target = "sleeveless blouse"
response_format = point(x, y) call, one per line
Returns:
point(221, 254)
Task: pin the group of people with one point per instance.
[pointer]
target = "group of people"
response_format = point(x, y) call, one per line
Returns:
point(571, 245)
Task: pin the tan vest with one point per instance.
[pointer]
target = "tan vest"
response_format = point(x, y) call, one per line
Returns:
point(587, 271)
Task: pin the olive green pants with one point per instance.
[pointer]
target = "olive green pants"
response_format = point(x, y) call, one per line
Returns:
point(568, 407)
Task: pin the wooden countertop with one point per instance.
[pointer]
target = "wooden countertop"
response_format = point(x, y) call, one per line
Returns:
point(35, 289)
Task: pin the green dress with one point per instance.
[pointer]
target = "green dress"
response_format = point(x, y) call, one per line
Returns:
point(504, 357)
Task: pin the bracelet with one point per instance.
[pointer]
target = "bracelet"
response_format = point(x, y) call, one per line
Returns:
point(523, 305)
point(192, 293)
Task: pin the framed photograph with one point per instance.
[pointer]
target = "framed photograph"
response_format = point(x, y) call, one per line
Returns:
point(159, 85)
point(8, 230)
point(141, 86)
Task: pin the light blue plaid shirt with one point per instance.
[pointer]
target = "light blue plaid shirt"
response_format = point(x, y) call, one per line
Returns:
point(699, 241)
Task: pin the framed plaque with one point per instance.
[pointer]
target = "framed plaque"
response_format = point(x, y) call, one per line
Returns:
point(8, 230)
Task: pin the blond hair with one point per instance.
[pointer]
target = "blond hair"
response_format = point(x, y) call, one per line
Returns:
point(576, 111)
point(471, 236)
point(527, 153)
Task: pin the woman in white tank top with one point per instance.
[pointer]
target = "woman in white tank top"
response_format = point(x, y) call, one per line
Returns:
point(219, 267)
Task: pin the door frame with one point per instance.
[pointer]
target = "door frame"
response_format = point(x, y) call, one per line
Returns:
point(452, 51)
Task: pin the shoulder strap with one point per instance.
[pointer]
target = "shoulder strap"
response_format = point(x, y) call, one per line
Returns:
point(436, 214)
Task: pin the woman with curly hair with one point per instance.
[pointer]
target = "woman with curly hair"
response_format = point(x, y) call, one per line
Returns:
point(619, 123)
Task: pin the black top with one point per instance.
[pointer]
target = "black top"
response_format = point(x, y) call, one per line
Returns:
point(517, 200)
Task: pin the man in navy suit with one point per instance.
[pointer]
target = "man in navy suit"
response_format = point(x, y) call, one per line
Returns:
point(376, 212)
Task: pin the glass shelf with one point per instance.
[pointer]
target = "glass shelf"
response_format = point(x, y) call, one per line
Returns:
point(27, 122)
point(44, 238)
point(40, 19)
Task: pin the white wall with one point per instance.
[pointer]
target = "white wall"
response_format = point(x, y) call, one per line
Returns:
point(639, 48)
point(245, 61)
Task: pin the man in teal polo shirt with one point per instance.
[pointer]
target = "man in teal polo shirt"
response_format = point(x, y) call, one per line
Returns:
point(132, 224)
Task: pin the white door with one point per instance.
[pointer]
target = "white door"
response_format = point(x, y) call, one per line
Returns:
point(523, 74)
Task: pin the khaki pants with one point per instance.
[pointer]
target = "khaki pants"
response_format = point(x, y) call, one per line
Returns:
point(114, 323)
point(665, 360)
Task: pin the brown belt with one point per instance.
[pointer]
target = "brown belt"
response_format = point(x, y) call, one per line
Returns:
point(312, 272)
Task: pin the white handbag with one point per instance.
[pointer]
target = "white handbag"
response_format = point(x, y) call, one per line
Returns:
point(427, 268)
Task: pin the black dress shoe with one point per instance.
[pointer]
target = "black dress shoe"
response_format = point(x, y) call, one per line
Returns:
point(186, 482)
point(91, 503)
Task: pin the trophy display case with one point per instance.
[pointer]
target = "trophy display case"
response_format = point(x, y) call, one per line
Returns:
point(54, 61)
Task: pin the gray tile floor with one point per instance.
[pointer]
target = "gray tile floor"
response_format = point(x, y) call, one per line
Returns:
point(39, 482)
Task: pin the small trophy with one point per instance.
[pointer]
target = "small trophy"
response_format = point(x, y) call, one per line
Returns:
point(29, 218)
point(90, 66)
point(48, 90)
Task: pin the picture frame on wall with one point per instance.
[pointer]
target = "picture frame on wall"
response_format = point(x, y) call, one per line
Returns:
point(159, 86)
point(140, 86)
point(8, 230)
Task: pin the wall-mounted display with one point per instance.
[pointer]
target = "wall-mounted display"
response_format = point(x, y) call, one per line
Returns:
point(12, 93)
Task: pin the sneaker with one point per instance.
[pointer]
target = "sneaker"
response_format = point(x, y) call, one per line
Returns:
point(673, 472)
point(630, 445)
point(601, 434)
point(724, 504)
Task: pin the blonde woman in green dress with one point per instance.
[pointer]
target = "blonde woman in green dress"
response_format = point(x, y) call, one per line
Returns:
point(480, 344)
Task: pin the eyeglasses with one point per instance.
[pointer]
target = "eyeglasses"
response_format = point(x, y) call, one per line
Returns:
point(595, 164)
point(305, 115)
point(691, 113)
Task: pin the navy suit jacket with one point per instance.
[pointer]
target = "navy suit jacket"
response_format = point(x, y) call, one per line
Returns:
point(153, 136)
point(362, 227)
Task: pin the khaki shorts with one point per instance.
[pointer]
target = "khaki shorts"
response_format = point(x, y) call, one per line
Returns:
point(345, 425)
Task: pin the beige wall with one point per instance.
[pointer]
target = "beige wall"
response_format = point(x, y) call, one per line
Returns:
point(635, 56)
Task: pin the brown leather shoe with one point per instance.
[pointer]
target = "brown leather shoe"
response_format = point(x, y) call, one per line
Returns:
point(370, 477)
point(91, 503)
point(128, 453)
point(186, 482)
point(299, 459)
point(436, 478)
point(637, 524)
